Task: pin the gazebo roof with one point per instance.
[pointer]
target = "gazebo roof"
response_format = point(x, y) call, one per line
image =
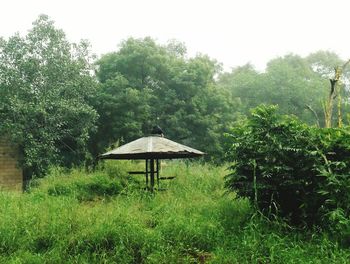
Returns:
point(152, 147)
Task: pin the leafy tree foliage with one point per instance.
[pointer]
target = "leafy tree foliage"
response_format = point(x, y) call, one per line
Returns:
point(245, 86)
point(45, 87)
point(144, 84)
point(298, 85)
point(50, 102)
point(290, 169)
point(290, 78)
point(330, 67)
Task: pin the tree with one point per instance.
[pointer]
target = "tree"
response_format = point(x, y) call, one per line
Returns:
point(45, 90)
point(288, 81)
point(128, 80)
point(295, 87)
point(143, 84)
point(327, 65)
point(244, 85)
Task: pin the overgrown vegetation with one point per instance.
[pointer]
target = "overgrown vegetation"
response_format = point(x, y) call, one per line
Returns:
point(194, 221)
point(288, 198)
point(292, 170)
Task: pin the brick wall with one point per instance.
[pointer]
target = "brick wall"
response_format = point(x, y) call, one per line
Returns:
point(11, 176)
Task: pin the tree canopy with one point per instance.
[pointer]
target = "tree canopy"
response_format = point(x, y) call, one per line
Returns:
point(298, 85)
point(45, 87)
point(145, 83)
point(63, 106)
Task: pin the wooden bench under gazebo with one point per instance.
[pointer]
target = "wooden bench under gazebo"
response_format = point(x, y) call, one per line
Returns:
point(152, 149)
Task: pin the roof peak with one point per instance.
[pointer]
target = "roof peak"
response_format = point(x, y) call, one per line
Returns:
point(154, 135)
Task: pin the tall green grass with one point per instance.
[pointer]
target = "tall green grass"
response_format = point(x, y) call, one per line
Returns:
point(106, 217)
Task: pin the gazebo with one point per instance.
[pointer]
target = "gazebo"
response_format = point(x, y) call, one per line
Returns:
point(152, 149)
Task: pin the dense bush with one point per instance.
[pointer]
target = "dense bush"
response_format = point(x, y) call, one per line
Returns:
point(290, 169)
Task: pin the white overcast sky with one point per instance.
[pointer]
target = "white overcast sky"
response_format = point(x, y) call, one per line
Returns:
point(233, 32)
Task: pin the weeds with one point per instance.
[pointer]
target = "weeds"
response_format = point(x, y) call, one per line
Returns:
point(107, 217)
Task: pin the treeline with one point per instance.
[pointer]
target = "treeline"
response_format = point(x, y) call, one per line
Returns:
point(65, 107)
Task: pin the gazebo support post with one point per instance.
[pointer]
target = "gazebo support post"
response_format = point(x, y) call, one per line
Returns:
point(157, 173)
point(146, 173)
point(152, 174)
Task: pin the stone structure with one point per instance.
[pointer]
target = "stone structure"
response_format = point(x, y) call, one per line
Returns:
point(11, 176)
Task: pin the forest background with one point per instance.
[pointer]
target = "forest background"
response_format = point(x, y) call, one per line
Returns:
point(64, 106)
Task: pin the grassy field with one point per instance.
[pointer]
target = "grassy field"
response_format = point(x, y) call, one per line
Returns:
point(106, 217)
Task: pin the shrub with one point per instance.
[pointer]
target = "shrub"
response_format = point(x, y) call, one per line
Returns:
point(289, 169)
